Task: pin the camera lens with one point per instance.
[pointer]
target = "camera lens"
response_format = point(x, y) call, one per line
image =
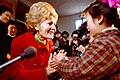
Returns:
point(75, 38)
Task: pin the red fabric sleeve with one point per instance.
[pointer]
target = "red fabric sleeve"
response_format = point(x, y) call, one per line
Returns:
point(20, 70)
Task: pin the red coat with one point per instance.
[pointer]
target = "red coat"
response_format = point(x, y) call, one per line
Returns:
point(28, 69)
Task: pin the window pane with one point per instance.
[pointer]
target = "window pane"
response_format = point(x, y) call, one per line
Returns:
point(79, 22)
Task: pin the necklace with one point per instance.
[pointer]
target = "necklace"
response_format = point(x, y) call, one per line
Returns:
point(39, 40)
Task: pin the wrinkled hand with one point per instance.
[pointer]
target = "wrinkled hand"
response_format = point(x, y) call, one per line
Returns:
point(52, 63)
point(51, 68)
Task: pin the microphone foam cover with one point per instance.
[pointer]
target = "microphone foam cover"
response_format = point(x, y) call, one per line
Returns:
point(29, 52)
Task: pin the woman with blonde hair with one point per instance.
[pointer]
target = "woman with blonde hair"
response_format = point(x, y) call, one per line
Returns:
point(40, 21)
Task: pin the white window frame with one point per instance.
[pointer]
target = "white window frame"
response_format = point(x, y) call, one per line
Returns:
point(79, 22)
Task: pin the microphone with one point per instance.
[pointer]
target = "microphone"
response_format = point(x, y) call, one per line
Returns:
point(27, 53)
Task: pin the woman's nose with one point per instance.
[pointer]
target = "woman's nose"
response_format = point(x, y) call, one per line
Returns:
point(53, 27)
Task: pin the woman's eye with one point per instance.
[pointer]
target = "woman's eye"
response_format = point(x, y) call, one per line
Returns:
point(50, 23)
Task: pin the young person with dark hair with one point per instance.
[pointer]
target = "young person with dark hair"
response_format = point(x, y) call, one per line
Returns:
point(101, 59)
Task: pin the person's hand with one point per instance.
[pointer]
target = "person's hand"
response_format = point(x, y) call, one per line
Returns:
point(81, 48)
point(70, 40)
point(51, 68)
point(59, 56)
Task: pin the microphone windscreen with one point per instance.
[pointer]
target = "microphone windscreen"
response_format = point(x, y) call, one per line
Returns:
point(29, 52)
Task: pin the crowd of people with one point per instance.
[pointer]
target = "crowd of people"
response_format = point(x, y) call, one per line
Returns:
point(71, 44)
point(91, 52)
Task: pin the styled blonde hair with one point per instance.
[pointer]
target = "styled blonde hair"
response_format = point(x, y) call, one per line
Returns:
point(38, 13)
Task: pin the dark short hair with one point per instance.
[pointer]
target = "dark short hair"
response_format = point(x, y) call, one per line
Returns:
point(4, 8)
point(57, 32)
point(65, 32)
point(74, 32)
point(82, 30)
point(98, 8)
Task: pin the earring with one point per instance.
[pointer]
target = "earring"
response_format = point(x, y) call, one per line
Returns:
point(36, 29)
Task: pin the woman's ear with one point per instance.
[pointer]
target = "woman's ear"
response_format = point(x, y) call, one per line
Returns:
point(36, 27)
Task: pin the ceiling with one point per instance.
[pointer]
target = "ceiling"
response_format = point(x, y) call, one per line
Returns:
point(67, 7)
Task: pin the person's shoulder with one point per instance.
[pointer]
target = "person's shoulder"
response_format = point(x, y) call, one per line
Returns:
point(105, 39)
point(24, 36)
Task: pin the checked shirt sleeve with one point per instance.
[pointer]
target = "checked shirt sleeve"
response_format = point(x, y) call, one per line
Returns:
point(97, 61)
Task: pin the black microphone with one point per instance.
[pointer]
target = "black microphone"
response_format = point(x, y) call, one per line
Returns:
point(27, 53)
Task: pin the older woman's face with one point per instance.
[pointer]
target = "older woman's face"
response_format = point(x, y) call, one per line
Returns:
point(47, 28)
point(5, 16)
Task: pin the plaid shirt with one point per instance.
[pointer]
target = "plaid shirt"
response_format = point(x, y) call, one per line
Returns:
point(101, 60)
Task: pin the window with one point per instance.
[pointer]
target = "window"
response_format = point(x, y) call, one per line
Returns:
point(79, 22)
point(118, 10)
point(21, 10)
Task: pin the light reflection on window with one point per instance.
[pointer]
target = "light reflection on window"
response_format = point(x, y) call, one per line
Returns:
point(79, 22)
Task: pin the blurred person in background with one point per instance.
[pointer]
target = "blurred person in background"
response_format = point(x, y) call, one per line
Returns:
point(12, 30)
point(12, 33)
point(5, 15)
point(64, 42)
point(74, 43)
point(56, 39)
point(79, 38)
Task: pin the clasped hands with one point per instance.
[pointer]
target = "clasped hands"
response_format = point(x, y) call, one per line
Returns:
point(54, 59)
